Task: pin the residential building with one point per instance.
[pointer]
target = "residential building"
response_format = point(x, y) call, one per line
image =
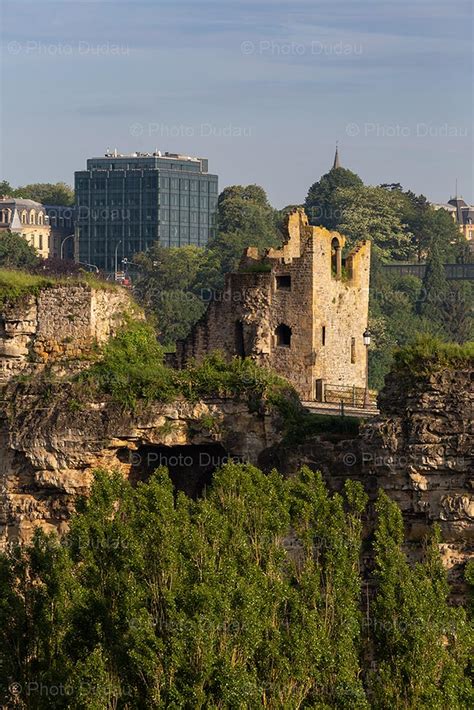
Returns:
point(125, 203)
point(28, 218)
point(462, 214)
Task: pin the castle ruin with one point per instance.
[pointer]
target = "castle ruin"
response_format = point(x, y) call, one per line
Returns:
point(300, 310)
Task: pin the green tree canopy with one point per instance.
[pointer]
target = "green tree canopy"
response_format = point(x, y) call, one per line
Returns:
point(422, 645)
point(319, 204)
point(15, 252)
point(248, 597)
point(165, 283)
point(376, 214)
point(5, 188)
point(47, 193)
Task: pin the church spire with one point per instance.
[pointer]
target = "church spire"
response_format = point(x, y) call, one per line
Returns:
point(336, 163)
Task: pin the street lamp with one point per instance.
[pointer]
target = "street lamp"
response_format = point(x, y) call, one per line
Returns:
point(116, 256)
point(61, 249)
point(367, 336)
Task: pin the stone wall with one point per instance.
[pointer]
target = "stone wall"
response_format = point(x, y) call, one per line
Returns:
point(60, 323)
point(294, 286)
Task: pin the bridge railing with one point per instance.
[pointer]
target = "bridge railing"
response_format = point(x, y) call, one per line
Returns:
point(350, 396)
point(452, 271)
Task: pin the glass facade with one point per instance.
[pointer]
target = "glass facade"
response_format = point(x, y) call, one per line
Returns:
point(126, 203)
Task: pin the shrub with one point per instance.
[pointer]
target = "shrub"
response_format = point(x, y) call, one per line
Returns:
point(428, 354)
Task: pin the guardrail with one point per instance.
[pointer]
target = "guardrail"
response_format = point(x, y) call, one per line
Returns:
point(347, 395)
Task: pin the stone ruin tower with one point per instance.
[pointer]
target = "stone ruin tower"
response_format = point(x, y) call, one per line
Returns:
point(300, 310)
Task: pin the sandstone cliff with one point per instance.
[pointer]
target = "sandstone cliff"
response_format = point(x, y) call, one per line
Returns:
point(420, 450)
point(50, 445)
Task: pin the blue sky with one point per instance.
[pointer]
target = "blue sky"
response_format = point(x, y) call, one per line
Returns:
point(262, 88)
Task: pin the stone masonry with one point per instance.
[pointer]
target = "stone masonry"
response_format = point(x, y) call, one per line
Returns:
point(59, 324)
point(300, 310)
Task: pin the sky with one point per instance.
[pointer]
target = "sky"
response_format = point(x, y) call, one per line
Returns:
point(262, 88)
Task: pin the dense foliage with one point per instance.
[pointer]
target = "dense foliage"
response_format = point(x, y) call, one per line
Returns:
point(249, 597)
point(131, 369)
point(44, 192)
point(16, 253)
point(427, 354)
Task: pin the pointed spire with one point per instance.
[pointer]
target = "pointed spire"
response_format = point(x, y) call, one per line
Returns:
point(336, 163)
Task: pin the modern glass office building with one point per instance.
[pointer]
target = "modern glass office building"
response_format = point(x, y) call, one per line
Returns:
point(125, 203)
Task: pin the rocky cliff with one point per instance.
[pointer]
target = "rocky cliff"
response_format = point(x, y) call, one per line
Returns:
point(50, 445)
point(420, 450)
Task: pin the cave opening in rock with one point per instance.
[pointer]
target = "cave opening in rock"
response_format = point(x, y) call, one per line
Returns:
point(191, 467)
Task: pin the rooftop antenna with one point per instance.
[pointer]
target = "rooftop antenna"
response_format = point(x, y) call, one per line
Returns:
point(456, 193)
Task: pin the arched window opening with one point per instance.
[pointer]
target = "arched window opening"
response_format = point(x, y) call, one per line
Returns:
point(32, 217)
point(24, 217)
point(336, 258)
point(40, 218)
point(283, 336)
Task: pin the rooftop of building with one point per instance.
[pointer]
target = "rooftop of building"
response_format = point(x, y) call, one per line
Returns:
point(115, 155)
point(20, 202)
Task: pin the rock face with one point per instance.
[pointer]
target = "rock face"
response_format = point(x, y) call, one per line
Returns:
point(49, 449)
point(420, 450)
point(59, 323)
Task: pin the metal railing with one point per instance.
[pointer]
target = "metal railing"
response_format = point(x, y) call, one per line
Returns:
point(452, 271)
point(350, 396)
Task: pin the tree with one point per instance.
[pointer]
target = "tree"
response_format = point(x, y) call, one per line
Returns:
point(246, 210)
point(456, 312)
point(434, 286)
point(422, 645)
point(164, 286)
point(319, 204)
point(376, 214)
point(47, 193)
point(5, 188)
point(15, 252)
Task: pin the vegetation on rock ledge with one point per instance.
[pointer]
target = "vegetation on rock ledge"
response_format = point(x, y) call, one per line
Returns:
point(15, 284)
point(249, 597)
point(428, 354)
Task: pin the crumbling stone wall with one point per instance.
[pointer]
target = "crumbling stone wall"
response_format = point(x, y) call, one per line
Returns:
point(59, 323)
point(295, 287)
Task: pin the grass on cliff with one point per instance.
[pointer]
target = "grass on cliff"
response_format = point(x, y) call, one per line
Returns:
point(428, 354)
point(15, 284)
point(132, 370)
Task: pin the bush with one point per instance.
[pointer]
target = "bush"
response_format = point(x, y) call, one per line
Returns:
point(429, 354)
point(132, 368)
point(15, 252)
